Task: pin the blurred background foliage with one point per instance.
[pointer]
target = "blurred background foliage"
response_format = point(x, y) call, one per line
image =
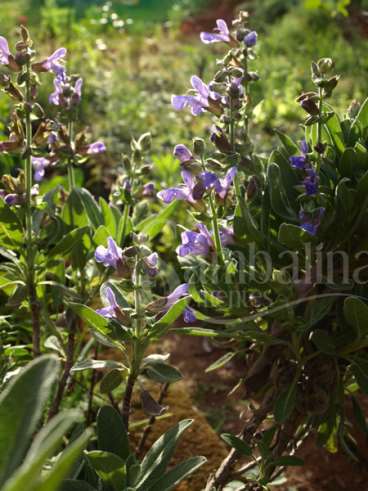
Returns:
point(133, 54)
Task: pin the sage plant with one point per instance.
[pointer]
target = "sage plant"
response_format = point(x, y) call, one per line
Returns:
point(286, 281)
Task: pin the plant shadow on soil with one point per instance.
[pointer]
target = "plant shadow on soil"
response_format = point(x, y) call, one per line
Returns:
point(201, 396)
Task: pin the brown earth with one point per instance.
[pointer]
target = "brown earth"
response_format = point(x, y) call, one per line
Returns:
point(204, 397)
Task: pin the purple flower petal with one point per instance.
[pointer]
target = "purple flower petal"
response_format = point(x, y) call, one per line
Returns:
point(51, 64)
point(180, 291)
point(149, 189)
point(182, 153)
point(110, 256)
point(108, 312)
point(96, 147)
point(194, 243)
point(39, 164)
point(168, 195)
point(209, 179)
point(189, 315)
point(78, 86)
point(188, 179)
point(251, 39)
point(298, 161)
point(4, 51)
point(226, 236)
point(200, 87)
point(221, 35)
point(304, 147)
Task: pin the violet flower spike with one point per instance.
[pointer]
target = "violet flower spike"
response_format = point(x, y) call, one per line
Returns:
point(4, 51)
point(39, 164)
point(96, 147)
point(110, 310)
point(110, 256)
point(221, 34)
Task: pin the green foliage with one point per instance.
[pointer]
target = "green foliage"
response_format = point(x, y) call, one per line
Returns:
point(21, 408)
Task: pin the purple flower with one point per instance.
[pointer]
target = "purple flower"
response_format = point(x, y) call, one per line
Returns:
point(179, 292)
point(224, 184)
point(195, 243)
point(189, 315)
point(311, 181)
point(182, 153)
point(151, 262)
point(110, 256)
point(181, 192)
point(4, 51)
point(300, 161)
point(39, 164)
point(304, 147)
point(12, 199)
point(251, 39)
point(51, 63)
point(95, 148)
point(221, 185)
point(62, 85)
point(226, 236)
point(198, 102)
point(55, 97)
point(77, 91)
point(310, 222)
point(201, 243)
point(148, 190)
point(222, 34)
point(112, 308)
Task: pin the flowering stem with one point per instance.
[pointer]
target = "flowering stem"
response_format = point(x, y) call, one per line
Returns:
point(319, 127)
point(28, 163)
point(71, 176)
point(216, 231)
point(35, 314)
point(138, 348)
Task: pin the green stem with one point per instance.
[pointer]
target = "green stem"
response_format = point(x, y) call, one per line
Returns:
point(28, 163)
point(216, 231)
point(31, 283)
point(71, 176)
point(319, 127)
point(138, 347)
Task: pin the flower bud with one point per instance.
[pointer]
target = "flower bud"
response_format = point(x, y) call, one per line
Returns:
point(310, 107)
point(145, 141)
point(325, 65)
point(220, 76)
point(252, 188)
point(199, 146)
point(221, 141)
point(353, 109)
